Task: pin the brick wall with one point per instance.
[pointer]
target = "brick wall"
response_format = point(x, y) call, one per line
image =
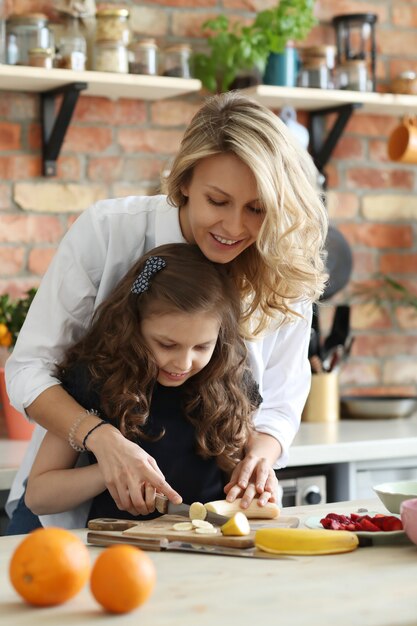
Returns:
point(116, 148)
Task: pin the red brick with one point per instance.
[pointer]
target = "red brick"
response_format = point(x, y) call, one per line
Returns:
point(129, 112)
point(9, 136)
point(20, 167)
point(384, 345)
point(173, 112)
point(355, 372)
point(326, 9)
point(34, 137)
point(379, 235)
point(369, 316)
point(407, 319)
point(68, 168)
point(367, 178)
point(39, 260)
point(399, 43)
point(87, 139)
point(11, 260)
point(18, 287)
point(191, 24)
point(404, 15)
point(105, 168)
point(380, 390)
point(149, 140)
point(364, 262)
point(349, 148)
point(398, 263)
point(396, 66)
point(378, 151)
point(91, 110)
point(342, 205)
point(332, 176)
point(29, 228)
point(137, 169)
point(71, 219)
point(19, 106)
point(5, 197)
point(372, 125)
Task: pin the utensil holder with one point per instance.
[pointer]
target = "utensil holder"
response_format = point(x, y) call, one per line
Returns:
point(323, 402)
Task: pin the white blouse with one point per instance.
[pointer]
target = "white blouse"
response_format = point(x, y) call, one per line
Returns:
point(95, 253)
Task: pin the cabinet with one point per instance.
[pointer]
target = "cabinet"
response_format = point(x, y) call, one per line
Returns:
point(68, 83)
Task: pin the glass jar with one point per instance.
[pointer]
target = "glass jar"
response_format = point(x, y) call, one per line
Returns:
point(72, 47)
point(112, 24)
point(23, 33)
point(110, 56)
point(177, 61)
point(352, 75)
point(326, 53)
point(41, 57)
point(315, 73)
point(143, 57)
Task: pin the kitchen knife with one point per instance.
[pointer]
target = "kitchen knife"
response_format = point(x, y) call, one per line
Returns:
point(164, 545)
point(163, 505)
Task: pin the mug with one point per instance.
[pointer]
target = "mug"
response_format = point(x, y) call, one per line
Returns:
point(323, 402)
point(282, 68)
point(402, 144)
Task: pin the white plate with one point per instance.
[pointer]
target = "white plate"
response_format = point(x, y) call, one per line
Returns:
point(384, 536)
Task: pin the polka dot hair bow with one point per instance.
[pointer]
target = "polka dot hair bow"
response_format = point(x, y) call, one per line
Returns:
point(152, 266)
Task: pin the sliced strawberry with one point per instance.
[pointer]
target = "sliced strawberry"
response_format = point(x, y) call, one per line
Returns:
point(368, 526)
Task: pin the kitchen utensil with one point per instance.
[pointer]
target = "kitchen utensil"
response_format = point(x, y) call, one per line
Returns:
point(164, 506)
point(162, 545)
point(393, 494)
point(338, 263)
point(162, 528)
point(378, 407)
point(340, 328)
point(408, 510)
point(402, 143)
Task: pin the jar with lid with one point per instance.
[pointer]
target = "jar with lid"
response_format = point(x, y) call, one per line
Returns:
point(41, 57)
point(315, 73)
point(112, 24)
point(23, 33)
point(110, 56)
point(177, 61)
point(143, 57)
point(326, 53)
point(353, 75)
point(71, 46)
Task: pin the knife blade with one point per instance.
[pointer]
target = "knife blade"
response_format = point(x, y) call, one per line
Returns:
point(163, 505)
point(164, 545)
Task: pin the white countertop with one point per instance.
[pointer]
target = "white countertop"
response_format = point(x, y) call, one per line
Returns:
point(372, 586)
point(351, 440)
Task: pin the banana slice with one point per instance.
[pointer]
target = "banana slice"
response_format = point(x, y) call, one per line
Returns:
point(206, 530)
point(183, 526)
point(197, 511)
point(200, 523)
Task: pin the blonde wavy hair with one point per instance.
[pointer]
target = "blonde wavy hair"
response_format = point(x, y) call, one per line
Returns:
point(287, 263)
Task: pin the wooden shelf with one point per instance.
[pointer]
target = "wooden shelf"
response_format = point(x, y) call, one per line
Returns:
point(106, 84)
point(316, 99)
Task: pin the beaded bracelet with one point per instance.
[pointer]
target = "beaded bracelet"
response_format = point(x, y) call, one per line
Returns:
point(74, 428)
point(90, 431)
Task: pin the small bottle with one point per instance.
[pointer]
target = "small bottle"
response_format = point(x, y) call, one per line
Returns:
point(177, 61)
point(41, 57)
point(112, 24)
point(143, 57)
point(110, 56)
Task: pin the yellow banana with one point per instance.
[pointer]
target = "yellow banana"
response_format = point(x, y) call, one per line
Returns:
point(254, 511)
point(305, 541)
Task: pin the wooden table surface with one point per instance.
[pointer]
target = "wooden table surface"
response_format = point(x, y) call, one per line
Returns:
point(374, 586)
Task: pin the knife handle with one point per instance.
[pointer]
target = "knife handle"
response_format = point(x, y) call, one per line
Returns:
point(161, 503)
point(110, 523)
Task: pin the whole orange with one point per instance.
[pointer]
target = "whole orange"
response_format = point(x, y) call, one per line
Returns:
point(123, 578)
point(50, 566)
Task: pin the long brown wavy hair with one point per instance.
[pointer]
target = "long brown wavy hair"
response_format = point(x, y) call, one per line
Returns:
point(123, 370)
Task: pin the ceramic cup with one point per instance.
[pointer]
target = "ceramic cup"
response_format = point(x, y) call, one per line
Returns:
point(323, 402)
point(402, 144)
point(408, 511)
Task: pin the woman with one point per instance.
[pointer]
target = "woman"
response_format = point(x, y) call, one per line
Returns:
point(245, 193)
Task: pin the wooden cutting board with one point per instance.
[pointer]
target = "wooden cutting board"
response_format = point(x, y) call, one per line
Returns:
point(161, 528)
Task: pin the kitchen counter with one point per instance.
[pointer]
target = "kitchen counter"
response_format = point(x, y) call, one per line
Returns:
point(350, 440)
point(373, 586)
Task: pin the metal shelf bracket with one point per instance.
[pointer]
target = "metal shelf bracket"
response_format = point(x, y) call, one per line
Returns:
point(322, 146)
point(55, 125)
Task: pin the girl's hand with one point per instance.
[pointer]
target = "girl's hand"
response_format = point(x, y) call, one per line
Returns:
point(252, 477)
point(131, 475)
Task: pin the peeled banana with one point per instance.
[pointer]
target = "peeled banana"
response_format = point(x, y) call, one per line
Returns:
point(300, 541)
point(254, 511)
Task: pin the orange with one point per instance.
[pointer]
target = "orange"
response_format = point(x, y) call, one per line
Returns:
point(123, 578)
point(49, 566)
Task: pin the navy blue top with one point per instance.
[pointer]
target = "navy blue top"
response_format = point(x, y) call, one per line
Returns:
point(194, 478)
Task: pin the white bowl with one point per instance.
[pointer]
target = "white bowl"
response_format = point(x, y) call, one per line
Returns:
point(392, 494)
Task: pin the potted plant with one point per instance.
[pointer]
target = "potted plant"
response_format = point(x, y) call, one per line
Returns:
point(235, 48)
point(12, 315)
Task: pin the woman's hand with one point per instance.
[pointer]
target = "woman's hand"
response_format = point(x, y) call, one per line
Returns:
point(131, 475)
point(254, 476)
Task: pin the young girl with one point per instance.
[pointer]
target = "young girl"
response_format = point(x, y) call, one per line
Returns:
point(164, 363)
point(244, 191)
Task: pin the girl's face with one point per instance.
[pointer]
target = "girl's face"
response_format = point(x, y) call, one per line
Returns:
point(181, 343)
point(223, 214)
